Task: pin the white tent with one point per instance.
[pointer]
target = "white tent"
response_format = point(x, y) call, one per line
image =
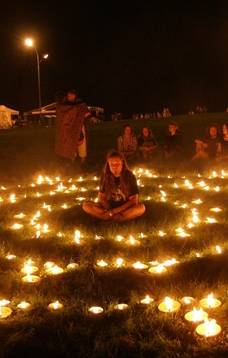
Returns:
point(6, 117)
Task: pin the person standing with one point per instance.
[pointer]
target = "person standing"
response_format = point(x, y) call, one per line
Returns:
point(71, 113)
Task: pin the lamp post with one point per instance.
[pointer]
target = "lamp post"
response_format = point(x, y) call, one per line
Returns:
point(30, 43)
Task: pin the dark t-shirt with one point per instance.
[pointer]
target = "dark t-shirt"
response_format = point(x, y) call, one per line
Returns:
point(173, 142)
point(212, 146)
point(117, 197)
point(146, 141)
point(224, 147)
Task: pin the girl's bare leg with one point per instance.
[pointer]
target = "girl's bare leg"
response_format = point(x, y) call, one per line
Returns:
point(131, 213)
point(95, 210)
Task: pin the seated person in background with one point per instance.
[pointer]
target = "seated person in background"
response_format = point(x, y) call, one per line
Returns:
point(224, 142)
point(210, 147)
point(118, 197)
point(173, 141)
point(146, 143)
point(127, 142)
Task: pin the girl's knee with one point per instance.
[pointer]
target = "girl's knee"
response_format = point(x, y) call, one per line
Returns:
point(86, 206)
point(141, 209)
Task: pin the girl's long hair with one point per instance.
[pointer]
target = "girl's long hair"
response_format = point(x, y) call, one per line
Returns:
point(108, 178)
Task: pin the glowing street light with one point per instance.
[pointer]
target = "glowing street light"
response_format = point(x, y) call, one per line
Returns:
point(29, 42)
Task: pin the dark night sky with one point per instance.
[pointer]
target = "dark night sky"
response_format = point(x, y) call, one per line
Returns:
point(125, 56)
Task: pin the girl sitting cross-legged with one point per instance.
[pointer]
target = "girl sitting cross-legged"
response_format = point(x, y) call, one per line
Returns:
point(118, 197)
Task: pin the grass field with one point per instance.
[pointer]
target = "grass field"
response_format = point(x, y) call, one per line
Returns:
point(194, 257)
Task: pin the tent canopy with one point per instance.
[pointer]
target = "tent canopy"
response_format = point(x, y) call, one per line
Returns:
point(6, 114)
point(51, 109)
point(7, 109)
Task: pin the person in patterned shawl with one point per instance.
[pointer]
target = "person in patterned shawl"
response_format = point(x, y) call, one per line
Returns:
point(71, 113)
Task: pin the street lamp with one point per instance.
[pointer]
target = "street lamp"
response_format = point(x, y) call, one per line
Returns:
point(30, 43)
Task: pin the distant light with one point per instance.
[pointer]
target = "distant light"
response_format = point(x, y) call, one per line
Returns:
point(45, 56)
point(29, 42)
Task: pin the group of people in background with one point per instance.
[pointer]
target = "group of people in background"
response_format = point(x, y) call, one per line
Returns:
point(165, 113)
point(145, 146)
point(213, 146)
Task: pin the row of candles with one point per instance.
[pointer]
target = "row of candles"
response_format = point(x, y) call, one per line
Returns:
point(130, 240)
point(44, 228)
point(12, 198)
point(51, 268)
point(30, 270)
point(208, 328)
point(140, 173)
point(156, 266)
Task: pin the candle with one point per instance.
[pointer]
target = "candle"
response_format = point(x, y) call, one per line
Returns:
point(217, 188)
point(24, 305)
point(4, 302)
point(45, 228)
point(181, 232)
point(169, 305)
point(132, 241)
point(210, 302)
point(139, 266)
point(54, 270)
point(197, 201)
point(40, 180)
point(99, 237)
point(187, 300)
point(38, 234)
point(121, 306)
point(10, 257)
point(161, 233)
point(55, 305)
point(12, 198)
point(96, 310)
point(119, 238)
point(147, 300)
point(16, 226)
point(209, 328)
point(77, 237)
point(29, 268)
point(170, 262)
point(119, 262)
point(218, 249)
point(196, 315)
point(5, 312)
point(19, 216)
point(30, 279)
point(158, 269)
point(210, 220)
point(72, 266)
point(101, 263)
point(216, 210)
point(195, 216)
